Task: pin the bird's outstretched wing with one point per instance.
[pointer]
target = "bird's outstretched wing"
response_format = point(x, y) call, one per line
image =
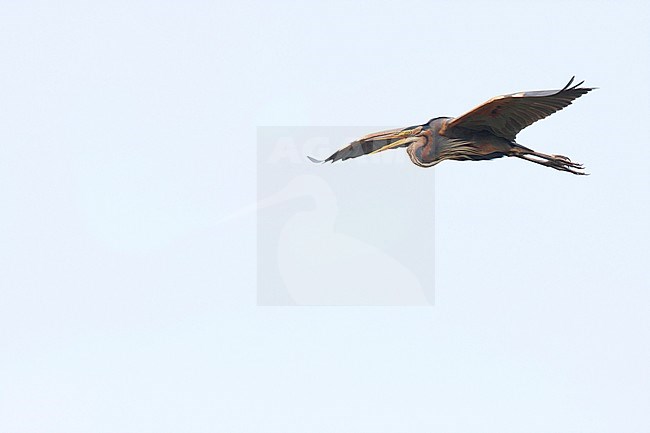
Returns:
point(373, 143)
point(506, 115)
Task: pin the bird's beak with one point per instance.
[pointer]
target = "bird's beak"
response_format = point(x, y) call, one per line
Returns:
point(401, 138)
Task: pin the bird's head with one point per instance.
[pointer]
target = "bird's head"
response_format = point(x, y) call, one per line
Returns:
point(397, 138)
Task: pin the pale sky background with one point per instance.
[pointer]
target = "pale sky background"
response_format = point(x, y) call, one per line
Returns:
point(128, 131)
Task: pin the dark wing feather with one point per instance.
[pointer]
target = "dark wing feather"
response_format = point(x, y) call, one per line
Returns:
point(369, 143)
point(506, 115)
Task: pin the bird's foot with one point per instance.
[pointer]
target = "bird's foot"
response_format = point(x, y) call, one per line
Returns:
point(563, 163)
point(557, 162)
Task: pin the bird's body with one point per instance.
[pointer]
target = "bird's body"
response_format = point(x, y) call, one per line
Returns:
point(486, 132)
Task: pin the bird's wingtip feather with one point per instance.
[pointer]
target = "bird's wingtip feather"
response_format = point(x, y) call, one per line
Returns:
point(315, 161)
point(569, 83)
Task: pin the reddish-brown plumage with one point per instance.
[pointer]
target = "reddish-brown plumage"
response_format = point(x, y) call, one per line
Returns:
point(485, 132)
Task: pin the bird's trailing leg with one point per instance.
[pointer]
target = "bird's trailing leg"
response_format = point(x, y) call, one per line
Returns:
point(558, 162)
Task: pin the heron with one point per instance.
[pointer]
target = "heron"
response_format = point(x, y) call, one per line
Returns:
point(485, 132)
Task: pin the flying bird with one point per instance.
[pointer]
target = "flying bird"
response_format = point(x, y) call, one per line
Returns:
point(485, 132)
